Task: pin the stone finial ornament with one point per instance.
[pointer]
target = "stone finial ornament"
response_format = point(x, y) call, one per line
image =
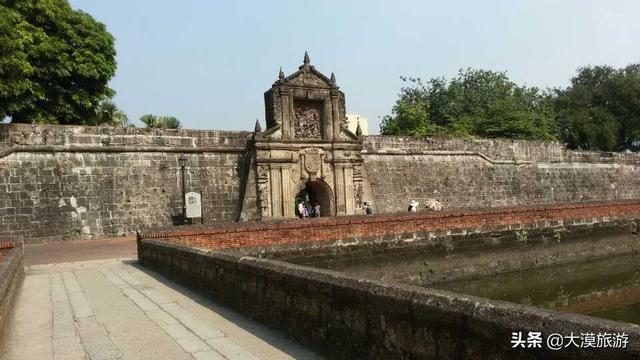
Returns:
point(257, 129)
point(358, 130)
point(333, 78)
point(306, 60)
point(281, 74)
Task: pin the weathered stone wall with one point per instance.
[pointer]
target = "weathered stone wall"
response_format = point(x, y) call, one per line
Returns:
point(489, 173)
point(345, 317)
point(68, 181)
point(11, 277)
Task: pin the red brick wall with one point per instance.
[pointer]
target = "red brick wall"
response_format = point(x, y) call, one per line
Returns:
point(323, 229)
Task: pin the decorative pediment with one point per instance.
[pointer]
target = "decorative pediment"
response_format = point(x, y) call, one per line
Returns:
point(307, 76)
point(311, 78)
point(306, 105)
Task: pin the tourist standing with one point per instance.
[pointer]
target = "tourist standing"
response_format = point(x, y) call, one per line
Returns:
point(316, 212)
point(300, 210)
point(309, 210)
point(367, 208)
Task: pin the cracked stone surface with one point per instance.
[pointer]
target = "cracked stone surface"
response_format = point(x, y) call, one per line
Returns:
point(114, 309)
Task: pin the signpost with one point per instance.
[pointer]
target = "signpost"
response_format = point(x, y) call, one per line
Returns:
point(193, 201)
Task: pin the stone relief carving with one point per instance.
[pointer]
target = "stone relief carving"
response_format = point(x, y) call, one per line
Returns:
point(263, 172)
point(277, 112)
point(311, 163)
point(312, 160)
point(357, 171)
point(357, 190)
point(308, 120)
point(263, 189)
point(308, 79)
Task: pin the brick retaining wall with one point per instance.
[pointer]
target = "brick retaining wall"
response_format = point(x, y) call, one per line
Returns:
point(390, 226)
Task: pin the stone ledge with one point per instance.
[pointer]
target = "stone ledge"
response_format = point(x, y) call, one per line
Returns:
point(118, 149)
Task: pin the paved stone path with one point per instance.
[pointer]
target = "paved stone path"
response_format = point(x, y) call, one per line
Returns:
point(80, 250)
point(113, 309)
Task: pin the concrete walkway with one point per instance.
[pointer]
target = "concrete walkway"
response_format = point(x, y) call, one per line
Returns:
point(113, 309)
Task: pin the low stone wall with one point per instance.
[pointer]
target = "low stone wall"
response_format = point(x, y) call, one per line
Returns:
point(349, 318)
point(11, 277)
point(465, 253)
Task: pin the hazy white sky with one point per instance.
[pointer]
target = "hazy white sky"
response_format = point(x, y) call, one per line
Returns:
point(209, 62)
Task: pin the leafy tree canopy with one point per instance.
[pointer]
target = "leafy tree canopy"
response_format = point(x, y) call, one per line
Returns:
point(55, 62)
point(161, 122)
point(600, 110)
point(476, 103)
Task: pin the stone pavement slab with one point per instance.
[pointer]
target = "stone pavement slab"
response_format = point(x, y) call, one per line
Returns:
point(113, 309)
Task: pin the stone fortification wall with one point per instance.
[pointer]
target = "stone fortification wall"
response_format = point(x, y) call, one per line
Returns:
point(69, 181)
point(61, 182)
point(491, 173)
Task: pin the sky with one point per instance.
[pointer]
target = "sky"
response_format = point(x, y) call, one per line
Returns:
point(209, 62)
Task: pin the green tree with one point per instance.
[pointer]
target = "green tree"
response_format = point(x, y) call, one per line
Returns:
point(476, 103)
point(410, 113)
point(600, 110)
point(107, 113)
point(55, 62)
point(161, 122)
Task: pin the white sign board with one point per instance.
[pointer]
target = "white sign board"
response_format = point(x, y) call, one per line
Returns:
point(194, 204)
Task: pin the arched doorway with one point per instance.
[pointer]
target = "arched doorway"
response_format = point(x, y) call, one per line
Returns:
point(315, 192)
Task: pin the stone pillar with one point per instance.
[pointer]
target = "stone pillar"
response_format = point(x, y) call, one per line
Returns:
point(335, 118)
point(348, 190)
point(292, 115)
point(287, 196)
point(328, 124)
point(340, 189)
point(286, 118)
point(276, 192)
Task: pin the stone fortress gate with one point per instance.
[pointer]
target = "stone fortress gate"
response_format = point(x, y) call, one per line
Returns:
point(307, 153)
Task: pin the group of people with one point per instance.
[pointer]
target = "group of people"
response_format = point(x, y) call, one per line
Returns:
point(308, 211)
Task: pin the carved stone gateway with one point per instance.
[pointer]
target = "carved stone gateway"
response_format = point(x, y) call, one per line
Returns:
point(307, 147)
